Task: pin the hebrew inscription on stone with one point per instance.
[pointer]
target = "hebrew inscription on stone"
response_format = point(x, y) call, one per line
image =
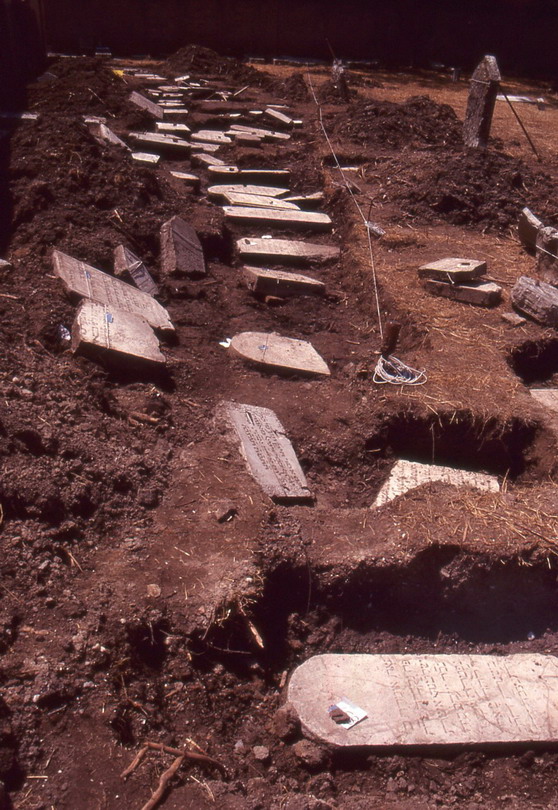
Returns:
point(98, 326)
point(430, 699)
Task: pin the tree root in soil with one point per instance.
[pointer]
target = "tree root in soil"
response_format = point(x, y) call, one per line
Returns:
point(165, 778)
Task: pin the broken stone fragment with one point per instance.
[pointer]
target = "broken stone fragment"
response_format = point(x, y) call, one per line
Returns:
point(537, 300)
point(528, 228)
point(132, 269)
point(479, 293)
point(181, 250)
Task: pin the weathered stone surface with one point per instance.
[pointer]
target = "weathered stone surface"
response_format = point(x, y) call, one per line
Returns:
point(146, 157)
point(131, 268)
point(406, 475)
point(547, 255)
point(167, 126)
point(246, 138)
point(206, 148)
point(259, 201)
point(209, 161)
point(307, 200)
point(528, 228)
point(211, 136)
point(161, 141)
point(485, 83)
point(266, 134)
point(480, 293)
point(453, 270)
point(249, 175)
point(308, 220)
point(146, 104)
point(190, 179)
point(268, 452)
point(430, 699)
point(279, 353)
point(86, 281)
point(537, 300)
point(513, 319)
point(263, 281)
point(220, 192)
point(103, 134)
point(279, 118)
point(181, 250)
point(548, 398)
point(286, 251)
point(171, 112)
point(99, 327)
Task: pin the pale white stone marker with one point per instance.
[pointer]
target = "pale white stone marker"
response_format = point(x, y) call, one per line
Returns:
point(429, 699)
point(97, 326)
point(280, 353)
point(406, 475)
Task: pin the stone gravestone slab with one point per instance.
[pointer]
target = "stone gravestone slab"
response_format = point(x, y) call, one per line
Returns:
point(547, 255)
point(211, 136)
point(308, 220)
point(162, 142)
point(163, 126)
point(263, 281)
point(99, 328)
point(266, 134)
point(259, 201)
point(429, 699)
point(406, 475)
point(85, 281)
point(103, 134)
point(537, 300)
point(286, 251)
point(146, 157)
point(146, 104)
point(268, 452)
point(480, 293)
point(181, 250)
point(453, 270)
point(131, 268)
point(278, 353)
point(528, 228)
point(209, 161)
point(221, 192)
point(278, 117)
point(189, 179)
point(485, 83)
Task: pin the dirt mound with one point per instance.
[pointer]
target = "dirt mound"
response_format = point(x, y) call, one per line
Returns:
point(292, 89)
point(418, 120)
point(202, 60)
point(474, 187)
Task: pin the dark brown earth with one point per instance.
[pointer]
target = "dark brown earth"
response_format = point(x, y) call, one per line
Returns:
point(128, 612)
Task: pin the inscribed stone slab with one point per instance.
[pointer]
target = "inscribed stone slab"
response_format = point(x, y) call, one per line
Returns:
point(453, 270)
point(86, 281)
point(181, 250)
point(430, 699)
point(98, 326)
point(266, 134)
point(268, 452)
point(259, 201)
point(308, 220)
point(131, 267)
point(279, 353)
point(146, 104)
point(485, 83)
point(219, 192)
point(286, 250)
point(263, 281)
point(406, 475)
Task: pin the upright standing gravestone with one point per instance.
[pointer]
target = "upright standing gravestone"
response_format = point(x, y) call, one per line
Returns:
point(485, 84)
point(181, 250)
point(130, 267)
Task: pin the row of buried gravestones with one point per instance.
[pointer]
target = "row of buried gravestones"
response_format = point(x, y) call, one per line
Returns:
point(342, 700)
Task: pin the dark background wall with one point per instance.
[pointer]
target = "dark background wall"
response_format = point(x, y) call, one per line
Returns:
point(522, 33)
point(22, 46)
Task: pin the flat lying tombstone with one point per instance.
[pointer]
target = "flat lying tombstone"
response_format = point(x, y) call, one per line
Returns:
point(307, 200)
point(547, 255)
point(98, 327)
point(406, 700)
point(211, 136)
point(220, 192)
point(103, 134)
point(262, 281)
point(165, 126)
point(161, 141)
point(407, 475)
point(250, 175)
point(145, 104)
point(84, 281)
point(246, 138)
point(479, 293)
point(278, 117)
point(181, 250)
point(308, 220)
point(528, 228)
point(94, 119)
point(207, 148)
point(170, 112)
point(259, 201)
point(453, 270)
point(268, 452)
point(209, 161)
point(485, 84)
point(266, 134)
point(146, 157)
point(537, 300)
point(278, 353)
point(190, 179)
point(130, 267)
point(286, 251)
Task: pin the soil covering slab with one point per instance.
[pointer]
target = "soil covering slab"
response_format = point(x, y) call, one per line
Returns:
point(414, 700)
point(268, 452)
point(279, 353)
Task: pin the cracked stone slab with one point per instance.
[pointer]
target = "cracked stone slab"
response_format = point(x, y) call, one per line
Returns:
point(286, 250)
point(85, 281)
point(100, 327)
point(269, 454)
point(429, 699)
point(407, 475)
point(278, 353)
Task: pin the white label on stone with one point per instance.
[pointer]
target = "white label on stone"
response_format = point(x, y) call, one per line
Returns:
point(430, 699)
point(407, 475)
point(102, 327)
point(277, 352)
point(87, 282)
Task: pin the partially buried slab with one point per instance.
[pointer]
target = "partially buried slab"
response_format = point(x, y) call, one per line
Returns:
point(410, 700)
point(85, 281)
point(286, 251)
point(268, 452)
point(407, 475)
point(548, 398)
point(221, 192)
point(131, 268)
point(278, 353)
point(453, 270)
point(161, 142)
point(98, 329)
point(263, 281)
point(181, 250)
point(479, 293)
point(259, 201)
point(307, 220)
point(146, 157)
point(146, 104)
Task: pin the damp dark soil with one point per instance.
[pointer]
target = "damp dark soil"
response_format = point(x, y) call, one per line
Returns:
point(149, 590)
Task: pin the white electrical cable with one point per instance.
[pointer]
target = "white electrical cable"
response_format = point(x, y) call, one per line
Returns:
point(388, 369)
